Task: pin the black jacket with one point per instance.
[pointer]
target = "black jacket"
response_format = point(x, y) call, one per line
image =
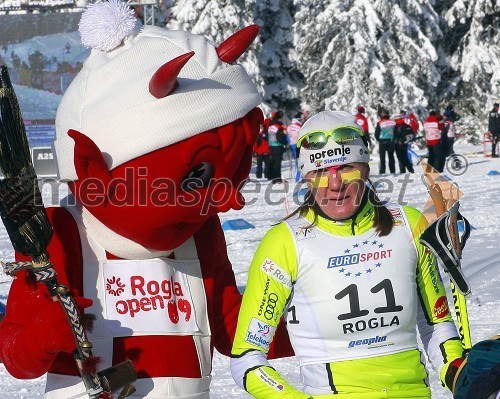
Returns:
point(494, 122)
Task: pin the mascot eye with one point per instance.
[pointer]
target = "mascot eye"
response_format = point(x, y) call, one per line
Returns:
point(198, 177)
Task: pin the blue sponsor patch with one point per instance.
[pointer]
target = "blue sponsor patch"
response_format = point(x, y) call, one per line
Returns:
point(343, 260)
point(260, 333)
point(370, 342)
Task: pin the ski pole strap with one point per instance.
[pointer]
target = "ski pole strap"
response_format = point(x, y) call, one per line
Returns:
point(42, 269)
point(438, 240)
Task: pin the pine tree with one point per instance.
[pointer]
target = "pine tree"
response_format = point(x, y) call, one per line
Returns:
point(473, 29)
point(413, 54)
point(218, 20)
point(376, 53)
point(282, 80)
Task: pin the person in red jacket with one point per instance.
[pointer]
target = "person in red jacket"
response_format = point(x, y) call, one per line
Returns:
point(152, 150)
point(410, 119)
point(362, 121)
point(434, 127)
point(261, 150)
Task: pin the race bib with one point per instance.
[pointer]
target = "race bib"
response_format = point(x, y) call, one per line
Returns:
point(147, 297)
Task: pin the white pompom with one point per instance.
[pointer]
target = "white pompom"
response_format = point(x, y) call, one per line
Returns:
point(104, 25)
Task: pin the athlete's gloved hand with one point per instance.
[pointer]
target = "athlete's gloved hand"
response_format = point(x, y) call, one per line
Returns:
point(452, 372)
point(478, 375)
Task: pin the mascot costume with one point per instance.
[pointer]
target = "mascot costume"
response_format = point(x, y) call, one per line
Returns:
point(154, 137)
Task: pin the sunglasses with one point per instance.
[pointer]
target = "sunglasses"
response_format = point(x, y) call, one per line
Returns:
point(317, 140)
point(347, 177)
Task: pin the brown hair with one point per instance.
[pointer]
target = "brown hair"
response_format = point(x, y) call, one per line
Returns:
point(383, 220)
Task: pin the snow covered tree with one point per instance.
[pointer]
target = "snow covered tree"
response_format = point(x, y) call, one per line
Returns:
point(375, 53)
point(473, 29)
point(282, 80)
point(217, 20)
point(411, 54)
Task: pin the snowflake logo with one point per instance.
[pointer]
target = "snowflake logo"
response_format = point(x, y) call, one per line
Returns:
point(114, 286)
point(268, 266)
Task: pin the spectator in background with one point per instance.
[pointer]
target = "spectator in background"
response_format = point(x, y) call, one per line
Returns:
point(449, 119)
point(362, 121)
point(411, 120)
point(450, 113)
point(404, 135)
point(277, 145)
point(292, 132)
point(434, 127)
point(494, 128)
point(261, 151)
point(449, 132)
point(384, 134)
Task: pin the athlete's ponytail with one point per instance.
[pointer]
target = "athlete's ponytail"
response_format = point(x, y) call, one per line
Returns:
point(383, 220)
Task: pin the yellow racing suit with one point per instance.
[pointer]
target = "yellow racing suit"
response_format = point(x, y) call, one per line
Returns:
point(351, 300)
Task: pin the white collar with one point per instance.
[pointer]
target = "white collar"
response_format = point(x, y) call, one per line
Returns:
point(112, 242)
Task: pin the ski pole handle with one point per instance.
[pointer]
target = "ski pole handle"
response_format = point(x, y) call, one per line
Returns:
point(436, 194)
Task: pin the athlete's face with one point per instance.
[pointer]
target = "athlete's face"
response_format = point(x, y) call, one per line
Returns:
point(339, 190)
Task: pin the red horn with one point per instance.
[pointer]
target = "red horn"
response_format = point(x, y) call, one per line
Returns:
point(164, 81)
point(235, 45)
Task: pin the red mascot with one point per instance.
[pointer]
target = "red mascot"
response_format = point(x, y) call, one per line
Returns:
point(154, 137)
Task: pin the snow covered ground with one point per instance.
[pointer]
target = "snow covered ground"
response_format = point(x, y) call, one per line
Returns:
point(266, 205)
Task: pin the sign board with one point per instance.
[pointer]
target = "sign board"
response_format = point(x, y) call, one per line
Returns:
point(40, 132)
point(43, 161)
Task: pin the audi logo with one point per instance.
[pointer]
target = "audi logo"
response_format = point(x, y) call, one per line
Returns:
point(272, 299)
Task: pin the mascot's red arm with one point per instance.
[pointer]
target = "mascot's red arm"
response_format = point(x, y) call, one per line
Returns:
point(34, 329)
point(227, 299)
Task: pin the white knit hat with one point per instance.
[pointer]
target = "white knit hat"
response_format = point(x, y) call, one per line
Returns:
point(332, 154)
point(109, 100)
